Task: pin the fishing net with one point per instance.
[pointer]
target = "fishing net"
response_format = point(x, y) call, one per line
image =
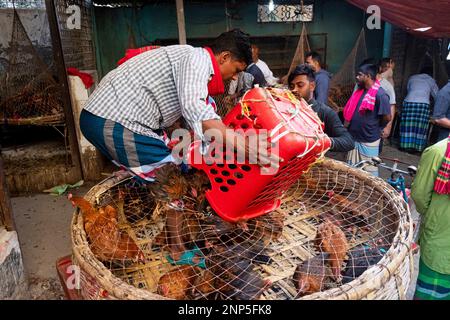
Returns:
point(343, 82)
point(28, 92)
point(302, 48)
point(334, 224)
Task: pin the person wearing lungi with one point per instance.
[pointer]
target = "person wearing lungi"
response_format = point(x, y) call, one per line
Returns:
point(416, 111)
point(431, 194)
point(366, 113)
point(128, 115)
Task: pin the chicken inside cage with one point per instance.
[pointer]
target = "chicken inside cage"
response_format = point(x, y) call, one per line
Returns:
point(324, 235)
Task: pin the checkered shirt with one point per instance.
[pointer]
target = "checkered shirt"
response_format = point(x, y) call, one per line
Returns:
point(155, 88)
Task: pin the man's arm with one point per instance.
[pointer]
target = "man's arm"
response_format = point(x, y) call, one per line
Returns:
point(423, 184)
point(386, 132)
point(192, 86)
point(443, 122)
point(384, 110)
point(341, 139)
point(441, 109)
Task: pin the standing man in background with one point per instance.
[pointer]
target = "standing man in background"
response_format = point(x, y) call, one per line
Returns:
point(441, 112)
point(415, 114)
point(268, 75)
point(389, 88)
point(322, 77)
point(366, 113)
point(431, 194)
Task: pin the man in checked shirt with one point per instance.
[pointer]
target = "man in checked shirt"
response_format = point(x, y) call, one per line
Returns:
point(128, 115)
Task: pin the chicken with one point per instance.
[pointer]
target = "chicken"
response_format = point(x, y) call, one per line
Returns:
point(183, 199)
point(268, 227)
point(311, 275)
point(230, 272)
point(177, 283)
point(204, 285)
point(107, 242)
point(331, 239)
point(360, 259)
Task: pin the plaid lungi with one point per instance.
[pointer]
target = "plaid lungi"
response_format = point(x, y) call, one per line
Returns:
point(138, 154)
point(414, 123)
point(432, 285)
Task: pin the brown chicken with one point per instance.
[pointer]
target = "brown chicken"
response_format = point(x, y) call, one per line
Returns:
point(331, 239)
point(230, 273)
point(107, 241)
point(177, 284)
point(268, 227)
point(311, 275)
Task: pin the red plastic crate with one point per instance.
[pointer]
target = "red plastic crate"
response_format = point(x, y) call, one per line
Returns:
point(240, 191)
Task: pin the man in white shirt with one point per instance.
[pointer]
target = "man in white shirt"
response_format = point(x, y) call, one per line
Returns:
point(268, 75)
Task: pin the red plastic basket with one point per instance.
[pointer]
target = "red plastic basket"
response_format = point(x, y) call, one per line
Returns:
point(240, 191)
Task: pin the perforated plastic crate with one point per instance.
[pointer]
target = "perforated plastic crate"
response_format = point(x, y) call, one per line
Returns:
point(241, 191)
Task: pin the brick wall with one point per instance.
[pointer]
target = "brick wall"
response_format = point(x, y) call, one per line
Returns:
point(78, 46)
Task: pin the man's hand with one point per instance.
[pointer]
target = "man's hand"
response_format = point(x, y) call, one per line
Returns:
point(253, 152)
point(385, 133)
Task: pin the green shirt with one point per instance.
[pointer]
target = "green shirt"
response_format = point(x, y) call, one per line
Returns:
point(435, 210)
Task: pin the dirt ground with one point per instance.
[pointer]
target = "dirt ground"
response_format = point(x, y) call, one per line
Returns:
point(43, 226)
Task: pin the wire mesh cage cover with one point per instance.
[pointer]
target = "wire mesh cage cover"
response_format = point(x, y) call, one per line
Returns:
point(28, 92)
point(339, 234)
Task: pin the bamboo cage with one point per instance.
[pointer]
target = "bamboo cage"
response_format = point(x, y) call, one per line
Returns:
point(330, 188)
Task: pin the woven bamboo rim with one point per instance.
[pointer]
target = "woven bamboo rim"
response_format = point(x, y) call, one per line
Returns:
point(43, 120)
point(388, 279)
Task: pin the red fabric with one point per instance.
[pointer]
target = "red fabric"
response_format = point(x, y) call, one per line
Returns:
point(368, 102)
point(410, 15)
point(87, 79)
point(130, 53)
point(442, 183)
point(215, 86)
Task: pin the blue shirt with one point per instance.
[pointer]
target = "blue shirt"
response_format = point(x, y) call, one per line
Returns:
point(366, 127)
point(322, 86)
point(442, 109)
point(420, 87)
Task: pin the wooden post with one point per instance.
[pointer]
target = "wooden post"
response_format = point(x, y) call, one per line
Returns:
point(61, 68)
point(6, 217)
point(181, 23)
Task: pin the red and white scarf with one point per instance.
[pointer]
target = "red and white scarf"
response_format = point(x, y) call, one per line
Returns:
point(442, 182)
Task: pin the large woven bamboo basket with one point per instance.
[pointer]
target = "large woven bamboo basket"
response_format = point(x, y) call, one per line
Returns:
point(308, 199)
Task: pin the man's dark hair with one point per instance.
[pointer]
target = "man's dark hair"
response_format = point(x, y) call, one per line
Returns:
point(315, 56)
point(302, 69)
point(235, 41)
point(367, 61)
point(385, 61)
point(369, 69)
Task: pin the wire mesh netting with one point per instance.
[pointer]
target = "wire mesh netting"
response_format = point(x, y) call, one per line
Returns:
point(164, 237)
point(28, 92)
point(343, 82)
